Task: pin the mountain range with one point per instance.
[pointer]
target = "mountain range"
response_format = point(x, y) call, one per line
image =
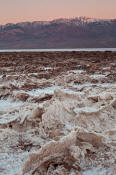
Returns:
point(78, 32)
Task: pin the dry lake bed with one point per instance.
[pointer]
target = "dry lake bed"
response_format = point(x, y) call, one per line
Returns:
point(58, 113)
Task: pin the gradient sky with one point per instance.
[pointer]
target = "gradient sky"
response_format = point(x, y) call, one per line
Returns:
point(12, 11)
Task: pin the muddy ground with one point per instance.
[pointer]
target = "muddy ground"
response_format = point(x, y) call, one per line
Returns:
point(58, 113)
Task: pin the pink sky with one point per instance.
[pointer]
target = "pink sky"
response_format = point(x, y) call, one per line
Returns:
point(12, 11)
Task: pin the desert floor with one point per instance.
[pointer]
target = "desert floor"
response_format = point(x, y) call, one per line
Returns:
point(58, 113)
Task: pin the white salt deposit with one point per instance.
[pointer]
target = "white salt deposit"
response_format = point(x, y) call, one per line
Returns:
point(97, 76)
point(113, 64)
point(35, 73)
point(46, 68)
point(70, 91)
point(11, 75)
point(79, 86)
point(106, 68)
point(87, 109)
point(65, 130)
point(76, 71)
point(4, 104)
point(107, 85)
point(48, 90)
point(98, 171)
point(11, 162)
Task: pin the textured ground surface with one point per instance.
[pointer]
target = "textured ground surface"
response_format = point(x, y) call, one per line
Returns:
point(58, 113)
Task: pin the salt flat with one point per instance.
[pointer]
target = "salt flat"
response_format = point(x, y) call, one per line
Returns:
point(58, 113)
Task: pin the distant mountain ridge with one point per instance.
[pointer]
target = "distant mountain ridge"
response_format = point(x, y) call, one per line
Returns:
point(79, 32)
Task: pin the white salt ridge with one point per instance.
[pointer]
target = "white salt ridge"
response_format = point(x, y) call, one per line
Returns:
point(4, 104)
point(69, 91)
point(47, 68)
point(106, 68)
point(79, 86)
point(113, 64)
point(97, 76)
point(11, 75)
point(34, 73)
point(4, 119)
point(1, 76)
point(86, 109)
point(50, 91)
point(98, 171)
point(107, 85)
point(76, 71)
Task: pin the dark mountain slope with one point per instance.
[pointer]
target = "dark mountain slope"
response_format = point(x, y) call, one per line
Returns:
point(62, 33)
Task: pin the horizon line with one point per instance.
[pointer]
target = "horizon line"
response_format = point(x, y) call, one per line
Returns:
point(50, 20)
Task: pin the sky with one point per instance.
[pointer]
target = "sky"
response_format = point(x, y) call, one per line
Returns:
point(13, 11)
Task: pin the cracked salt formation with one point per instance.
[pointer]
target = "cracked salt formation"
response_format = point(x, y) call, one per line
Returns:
point(64, 123)
point(73, 137)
